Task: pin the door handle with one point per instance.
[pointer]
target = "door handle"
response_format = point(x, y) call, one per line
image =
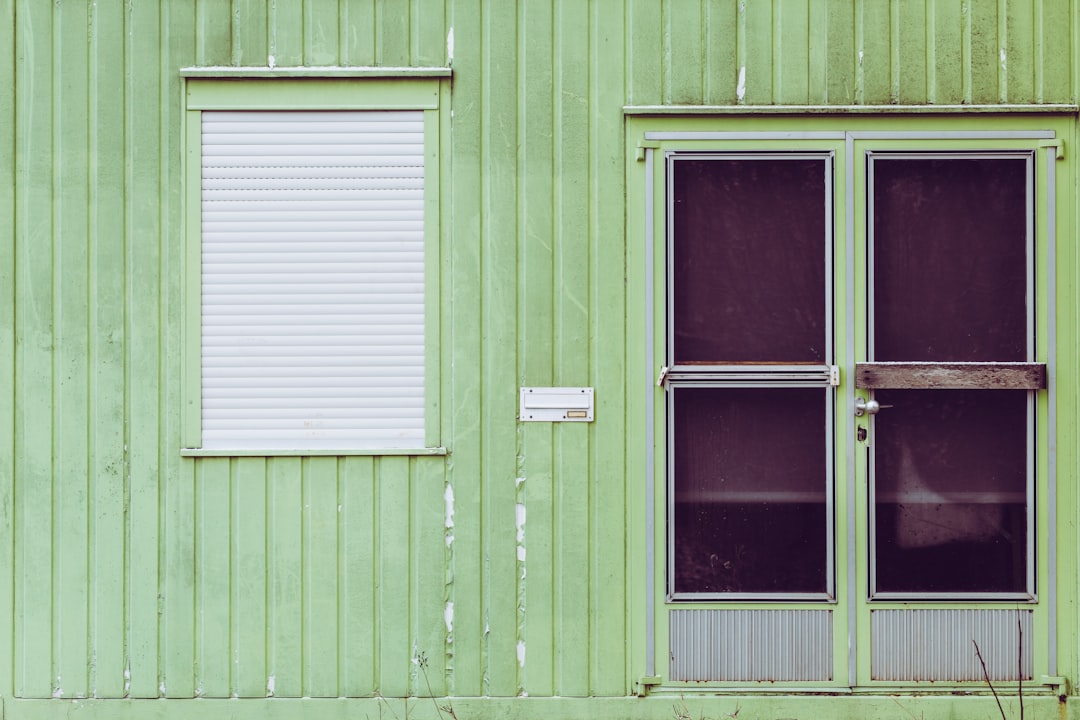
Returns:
point(866, 407)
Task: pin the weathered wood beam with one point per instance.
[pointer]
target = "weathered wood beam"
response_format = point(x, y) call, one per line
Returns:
point(950, 376)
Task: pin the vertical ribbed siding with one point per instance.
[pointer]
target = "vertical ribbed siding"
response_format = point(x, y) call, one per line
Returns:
point(138, 573)
point(249, 576)
point(537, 299)
point(940, 645)
point(837, 52)
point(8, 175)
point(317, 577)
point(751, 645)
point(312, 280)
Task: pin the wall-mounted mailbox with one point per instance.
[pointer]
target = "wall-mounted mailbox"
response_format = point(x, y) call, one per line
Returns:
point(556, 404)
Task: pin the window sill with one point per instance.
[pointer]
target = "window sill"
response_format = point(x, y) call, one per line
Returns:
point(317, 452)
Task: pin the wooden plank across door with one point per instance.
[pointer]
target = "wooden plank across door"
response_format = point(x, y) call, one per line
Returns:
point(951, 376)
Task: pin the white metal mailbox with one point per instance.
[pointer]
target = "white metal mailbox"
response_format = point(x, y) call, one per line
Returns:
point(556, 404)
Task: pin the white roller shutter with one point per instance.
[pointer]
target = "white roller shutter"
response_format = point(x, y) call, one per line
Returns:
point(312, 280)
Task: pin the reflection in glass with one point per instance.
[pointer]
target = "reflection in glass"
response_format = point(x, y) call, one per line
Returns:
point(748, 259)
point(750, 486)
point(950, 491)
point(950, 239)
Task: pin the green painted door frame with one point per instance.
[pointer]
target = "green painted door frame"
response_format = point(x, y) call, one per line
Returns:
point(846, 139)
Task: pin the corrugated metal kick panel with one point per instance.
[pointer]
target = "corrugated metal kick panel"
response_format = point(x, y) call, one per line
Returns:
point(766, 645)
point(312, 280)
point(940, 644)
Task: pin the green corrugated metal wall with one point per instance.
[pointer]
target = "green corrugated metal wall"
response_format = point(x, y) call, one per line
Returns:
point(136, 572)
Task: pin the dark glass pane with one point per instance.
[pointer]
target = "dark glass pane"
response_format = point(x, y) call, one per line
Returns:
point(950, 259)
point(750, 490)
point(950, 481)
point(749, 260)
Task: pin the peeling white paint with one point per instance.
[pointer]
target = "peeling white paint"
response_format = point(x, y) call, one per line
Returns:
point(518, 481)
point(1003, 58)
point(448, 496)
point(740, 88)
point(339, 508)
point(450, 45)
point(521, 653)
point(448, 617)
point(860, 58)
point(127, 680)
point(59, 691)
point(270, 686)
point(271, 61)
point(519, 521)
point(449, 540)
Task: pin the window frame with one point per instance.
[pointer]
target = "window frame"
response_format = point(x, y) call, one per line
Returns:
point(420, 90)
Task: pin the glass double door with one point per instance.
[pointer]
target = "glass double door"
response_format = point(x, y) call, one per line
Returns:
point(853, 399)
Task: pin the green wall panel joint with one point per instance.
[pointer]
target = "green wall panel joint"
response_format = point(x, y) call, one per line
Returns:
point(1058, 145)
point(647, 683)
point(643, 146)
point(1058, 684)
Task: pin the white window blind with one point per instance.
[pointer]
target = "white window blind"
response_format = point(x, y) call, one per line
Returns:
point(312, 280)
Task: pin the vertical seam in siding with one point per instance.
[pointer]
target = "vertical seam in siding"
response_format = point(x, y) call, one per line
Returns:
point(271, 32)
point(665, 49)
point(56, 231)
point(1039, 52)
point(965, 51)
point(780, 57)
point(521, 231)
point(741, 53)
point(1002, 45)
point(93, 355)
point(234, 33)
point(126, 352)
point(703, 66)
point(894, 50)
point(930, 34)
point(162, 296)
point(341, 588)
point(860, 47)
point(8, 255)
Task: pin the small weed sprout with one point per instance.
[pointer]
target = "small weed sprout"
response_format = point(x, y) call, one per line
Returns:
point(1019, 670)
point(448, 708)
